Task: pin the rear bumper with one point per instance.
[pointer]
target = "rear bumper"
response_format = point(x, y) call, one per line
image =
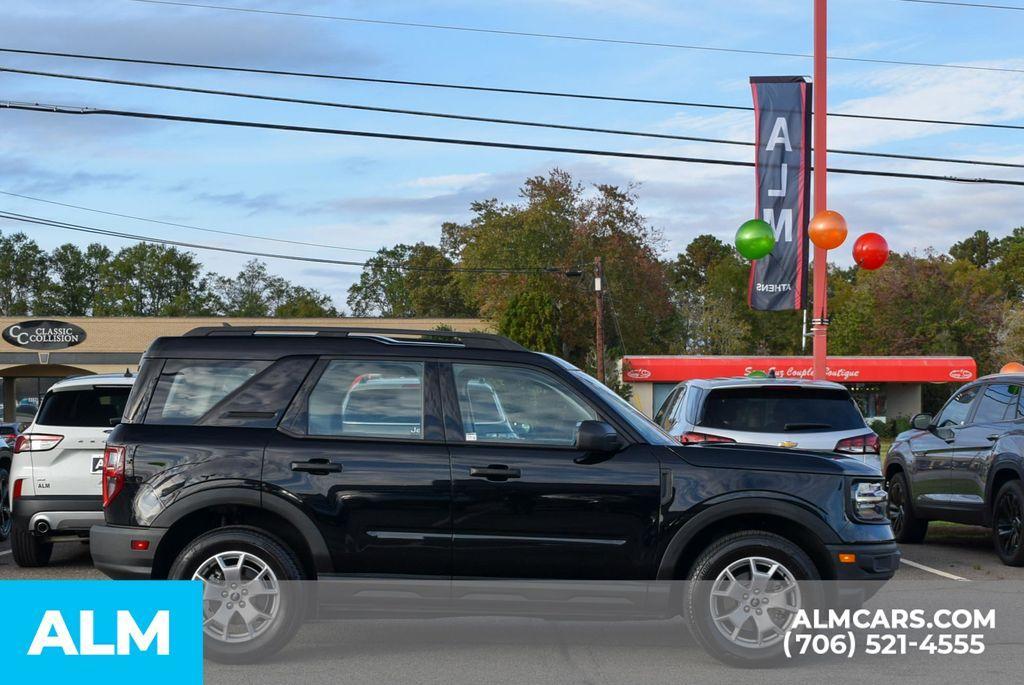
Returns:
point(57, 514)
point(112, 553)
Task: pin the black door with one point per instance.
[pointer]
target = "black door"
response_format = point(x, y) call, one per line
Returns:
point(996, 414)
point(362, 450)
point(933, 451)
point(526, 503)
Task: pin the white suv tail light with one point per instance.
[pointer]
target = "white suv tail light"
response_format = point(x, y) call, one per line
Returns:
point(36, 442)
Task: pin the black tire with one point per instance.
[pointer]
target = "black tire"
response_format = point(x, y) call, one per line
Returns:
point(906, 526)
point(712, 563)
point(6, 521)
point(270, 636)
point(1008, 523)
point(28, 550)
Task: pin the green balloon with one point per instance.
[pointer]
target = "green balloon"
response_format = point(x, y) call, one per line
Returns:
point(755, 239)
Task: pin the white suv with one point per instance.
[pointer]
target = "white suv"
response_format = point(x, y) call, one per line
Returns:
point(56, 491)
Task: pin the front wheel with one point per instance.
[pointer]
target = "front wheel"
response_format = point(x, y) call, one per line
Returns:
point(906, 528)
point(744, 594)
point(1008, 523)
point(252, 605)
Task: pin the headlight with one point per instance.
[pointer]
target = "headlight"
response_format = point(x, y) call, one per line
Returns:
point(869, 501)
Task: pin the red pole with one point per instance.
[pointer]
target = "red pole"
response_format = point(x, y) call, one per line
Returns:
point(819, 325)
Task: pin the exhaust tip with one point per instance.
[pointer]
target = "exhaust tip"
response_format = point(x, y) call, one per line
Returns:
point(42, 527)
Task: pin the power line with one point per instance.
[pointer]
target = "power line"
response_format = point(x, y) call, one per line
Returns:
point(492, 120)
point(567, 37)
point(176, 225)
point(42, 221)
point(486, 89)
point(977, 5)
point(60, 109)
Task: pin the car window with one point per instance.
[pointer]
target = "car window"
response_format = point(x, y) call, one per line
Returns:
point(998, 403)
point(355, 398)
point(781, 409)
point(517, 404)
point(92, 407)
point(666, 407)
point(186, 390)
point(956, 410)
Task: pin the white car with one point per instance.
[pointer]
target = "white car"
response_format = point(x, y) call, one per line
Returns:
point(55, 482)
point(809, 415)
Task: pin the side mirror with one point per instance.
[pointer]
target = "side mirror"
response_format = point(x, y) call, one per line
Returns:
point(922, 422)
point(597, 436)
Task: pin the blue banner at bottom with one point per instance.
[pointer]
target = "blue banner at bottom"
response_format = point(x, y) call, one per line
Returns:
point(86, 632)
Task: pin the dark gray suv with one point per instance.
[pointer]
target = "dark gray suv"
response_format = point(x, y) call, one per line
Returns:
point(964, 465)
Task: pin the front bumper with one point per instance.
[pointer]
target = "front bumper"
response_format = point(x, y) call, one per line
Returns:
point(112, 553)
point(859, 580)
point(57, 514)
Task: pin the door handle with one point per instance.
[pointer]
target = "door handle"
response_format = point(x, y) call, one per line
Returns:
point(319, 467)
point(494, 472)
point(993, 437)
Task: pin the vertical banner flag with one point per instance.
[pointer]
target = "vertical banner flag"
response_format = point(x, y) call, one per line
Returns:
point(782, 120)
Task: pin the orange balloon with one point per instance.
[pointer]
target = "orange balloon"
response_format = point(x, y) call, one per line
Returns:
point(828, 229)
point(1012, 367)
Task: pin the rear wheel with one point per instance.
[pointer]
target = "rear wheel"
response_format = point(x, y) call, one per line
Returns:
point(1008, 523)
point(906, 527)
point(251, 606)
point(744, 595)
point(29, 550)
point(5, 502)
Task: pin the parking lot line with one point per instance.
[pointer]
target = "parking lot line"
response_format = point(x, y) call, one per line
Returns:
point(936, 571)
point(6, 551)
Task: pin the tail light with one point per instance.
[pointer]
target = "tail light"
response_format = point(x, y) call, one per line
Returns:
point(113, 472)
point(36, 442)
point(691, 437)
point(860, 444)
point(16, 490)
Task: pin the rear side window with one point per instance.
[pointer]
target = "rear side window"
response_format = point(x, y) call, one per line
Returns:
point(791, 409)
point(998, 403)
point(187, 389)
point(368, 399)
point(91, 407)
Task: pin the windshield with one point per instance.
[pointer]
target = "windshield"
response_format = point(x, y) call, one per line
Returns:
point(791, 409)
point(630, 414)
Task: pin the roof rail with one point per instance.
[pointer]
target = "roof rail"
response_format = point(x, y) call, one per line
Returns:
point(389, 336)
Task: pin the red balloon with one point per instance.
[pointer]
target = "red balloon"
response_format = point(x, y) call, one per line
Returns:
point(870, 251)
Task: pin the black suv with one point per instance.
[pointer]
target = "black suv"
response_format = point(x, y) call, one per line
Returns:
point(964, 465)
point(249, 456)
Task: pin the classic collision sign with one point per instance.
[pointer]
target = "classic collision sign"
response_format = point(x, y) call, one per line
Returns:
point(44, 334)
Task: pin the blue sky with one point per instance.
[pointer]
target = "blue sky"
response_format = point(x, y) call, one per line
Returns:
point(366, 194)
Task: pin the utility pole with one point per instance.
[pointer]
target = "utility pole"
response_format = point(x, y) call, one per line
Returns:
point(819, 323)
point(599, 315)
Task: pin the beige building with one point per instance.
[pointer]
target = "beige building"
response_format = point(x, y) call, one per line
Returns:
point(87, 345)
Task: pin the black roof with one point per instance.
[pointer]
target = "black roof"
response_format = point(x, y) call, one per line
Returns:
point(274, 342)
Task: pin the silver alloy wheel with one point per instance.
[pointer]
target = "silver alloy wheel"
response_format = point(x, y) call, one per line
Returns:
point(241, 596)
point(754, 601)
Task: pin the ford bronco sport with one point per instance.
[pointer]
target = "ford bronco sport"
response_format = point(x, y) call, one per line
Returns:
point(248, 457)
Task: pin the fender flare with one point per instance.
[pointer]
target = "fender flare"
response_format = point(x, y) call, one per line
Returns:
point(1003, 462)
point(250, 497)
point(763, 504)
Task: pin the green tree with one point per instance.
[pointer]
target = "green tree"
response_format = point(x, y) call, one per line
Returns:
point(559, 227)
point(74, 276)
point(979, 249)
point(153, 280)
point(255, 292)
point(23, 265)
point(408, 281)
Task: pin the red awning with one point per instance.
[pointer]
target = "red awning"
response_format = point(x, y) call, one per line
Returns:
point(659, 369)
